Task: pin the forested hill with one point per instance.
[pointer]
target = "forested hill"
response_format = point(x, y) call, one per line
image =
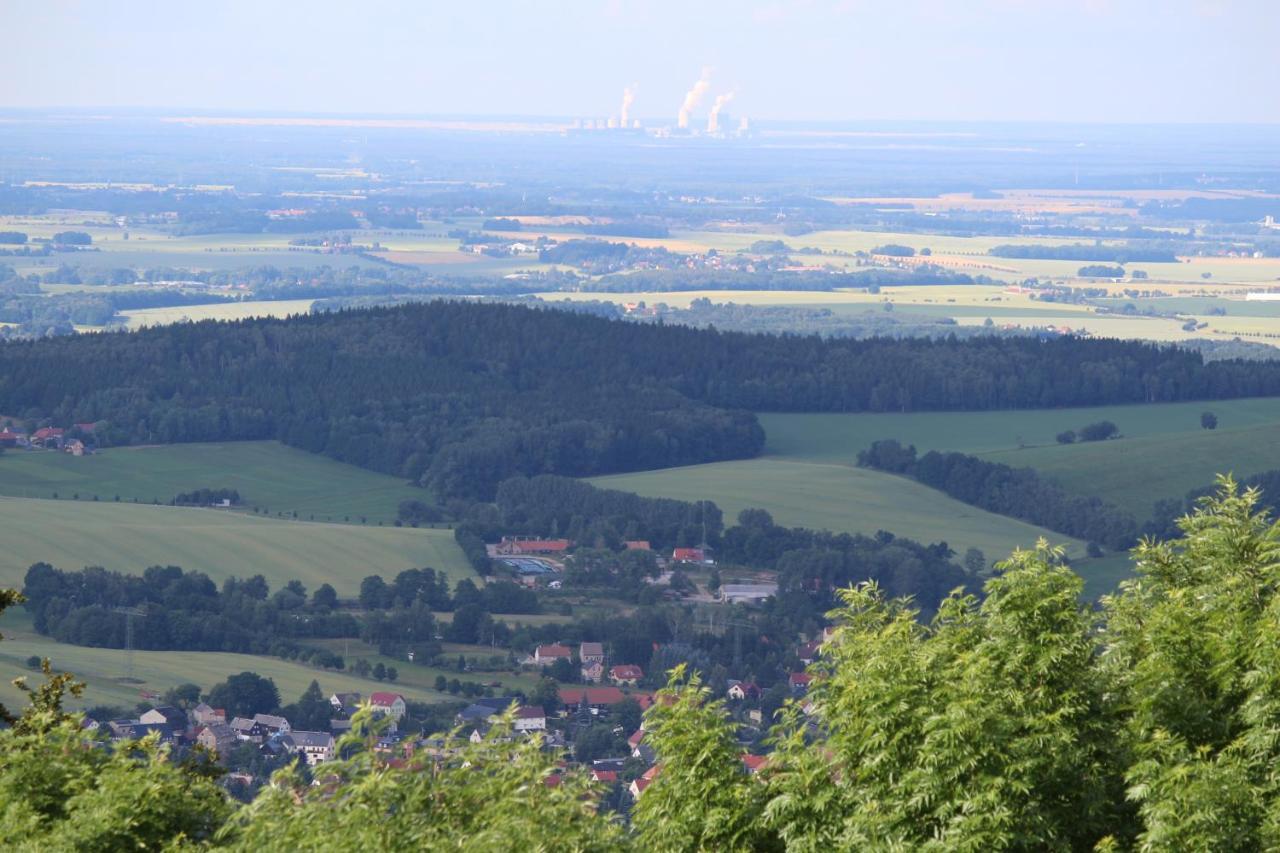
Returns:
point(460, 396)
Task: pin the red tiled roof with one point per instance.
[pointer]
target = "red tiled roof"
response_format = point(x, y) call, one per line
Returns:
point(626, 671)
point(553, 650)
point(530, 712)
point(48, 432)
point(636, 738)
point(384, 699)
point(534, 545)
point(693, 555)
point(571, 696)
point(609, 776)
point(798, 678)
point(754, 762)
point(638, 545)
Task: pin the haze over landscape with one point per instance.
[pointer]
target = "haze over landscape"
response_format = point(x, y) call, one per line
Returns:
point(829, 425)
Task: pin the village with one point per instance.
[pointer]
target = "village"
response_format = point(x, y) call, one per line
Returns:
point(610, 698)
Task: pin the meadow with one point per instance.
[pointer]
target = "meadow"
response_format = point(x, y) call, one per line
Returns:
point(130, 537)
point(267, 474)
point(842, 498)
point(105, 671)
point(839, 437)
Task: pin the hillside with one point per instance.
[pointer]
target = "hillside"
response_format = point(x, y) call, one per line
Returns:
point(458, 396)
point(267, 474)
point(840, 498)
point(127, 537)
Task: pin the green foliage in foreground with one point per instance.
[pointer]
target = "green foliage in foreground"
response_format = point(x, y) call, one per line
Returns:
point(1021, 720)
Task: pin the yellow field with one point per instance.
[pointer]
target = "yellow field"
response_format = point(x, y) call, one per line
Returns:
point(144, 317)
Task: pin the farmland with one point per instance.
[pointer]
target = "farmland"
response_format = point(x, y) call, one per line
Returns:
point(837, 437)
point(128, 538)
point(841, 498)
point(104, 670)
point(268, 475)
point(1163, 451)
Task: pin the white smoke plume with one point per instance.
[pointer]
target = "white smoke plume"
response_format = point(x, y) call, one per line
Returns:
point(693, 97)
point(713, 120)
point(628, 98)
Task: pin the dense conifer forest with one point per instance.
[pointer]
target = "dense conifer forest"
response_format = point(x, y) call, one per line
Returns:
point(459, 397)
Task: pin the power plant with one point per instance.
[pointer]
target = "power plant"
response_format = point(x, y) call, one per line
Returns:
point(625, 122)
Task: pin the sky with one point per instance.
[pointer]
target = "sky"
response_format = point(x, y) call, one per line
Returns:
point(830, 60)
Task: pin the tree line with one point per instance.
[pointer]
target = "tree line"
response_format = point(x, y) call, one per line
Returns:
point(1016, 492)
point(459, 397)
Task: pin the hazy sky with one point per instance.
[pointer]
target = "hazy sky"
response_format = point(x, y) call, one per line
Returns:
point(1073, 60)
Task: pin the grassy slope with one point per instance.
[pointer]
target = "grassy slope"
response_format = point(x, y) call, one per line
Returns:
point(841, 498)
point(101, 669)
point(1136, 472)
point(129, 537)
point(266, 473)
point(825, 437)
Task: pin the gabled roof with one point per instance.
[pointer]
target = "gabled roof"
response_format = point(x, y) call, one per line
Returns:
point(635, 738)
point(595, 695)
point(626, 672)
point(799, 679)
point(637, 545)
point(530, 712)
point(753, 763)
point(384, 699)
point(606, 776)
point(553, 650)
point(243, 724)
point(271, 721)
point(591, 650)
point(310, 740)
point(692, 555)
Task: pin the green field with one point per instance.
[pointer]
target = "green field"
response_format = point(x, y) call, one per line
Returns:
point(838, 437)
point(840, 498)
point(103, 669)
point(268, 475)
point(128, 538)
point(1136, 472)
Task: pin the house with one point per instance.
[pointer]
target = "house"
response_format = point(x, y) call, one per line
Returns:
point(387, 704)
point(799, 681)
point(203, 715)
point(345, 704)
point(605, 777)
point(640, 749)
point(75, 447)
point(743, 690)
point(272, 724)
point(315, 747)
point(531, 718)
point(754, 763)
point(9, 439)
point(486, 709)
point(248, 729)
point(593, 671)
point(638, 545)
point(689, 555)
point(549, 654)
point(514, 546)
point(86, 428)
point(218, 738)
point(164, 715)
point(627, 674)
point(47, 437)
point(136, 730)
point(591, 652)
point(596, 698)
point(808, 652)
point(644, 781)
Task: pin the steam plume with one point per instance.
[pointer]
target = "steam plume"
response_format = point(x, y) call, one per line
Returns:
point(713, 120)
point(628, 97)
point(693, 97)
